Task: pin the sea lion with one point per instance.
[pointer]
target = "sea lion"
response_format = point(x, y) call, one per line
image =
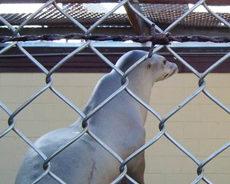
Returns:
point(119, 124)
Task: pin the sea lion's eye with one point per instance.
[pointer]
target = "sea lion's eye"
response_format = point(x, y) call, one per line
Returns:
point(164, 61)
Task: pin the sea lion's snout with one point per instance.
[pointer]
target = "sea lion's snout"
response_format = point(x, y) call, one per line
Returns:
point(175, 68)
point(170, 69)
point(162, 68)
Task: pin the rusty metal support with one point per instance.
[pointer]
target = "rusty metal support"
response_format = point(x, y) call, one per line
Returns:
point(137, 23)
point(157, 38)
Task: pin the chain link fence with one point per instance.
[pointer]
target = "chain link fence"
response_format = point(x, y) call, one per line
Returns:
point(12, 115)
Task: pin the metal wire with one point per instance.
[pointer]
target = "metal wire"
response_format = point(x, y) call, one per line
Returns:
point(12, 115)
point(159, 38)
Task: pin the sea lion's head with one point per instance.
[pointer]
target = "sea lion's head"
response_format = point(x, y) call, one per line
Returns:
point(153, 69)
point(145, 72)
point(161, 67)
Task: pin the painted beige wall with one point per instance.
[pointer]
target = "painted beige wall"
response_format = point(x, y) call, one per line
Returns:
point(201, 127)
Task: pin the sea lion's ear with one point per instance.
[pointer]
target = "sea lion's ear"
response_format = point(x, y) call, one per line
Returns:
point(149, 65)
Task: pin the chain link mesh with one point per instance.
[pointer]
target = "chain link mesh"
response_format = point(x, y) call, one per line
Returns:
point(12, 115)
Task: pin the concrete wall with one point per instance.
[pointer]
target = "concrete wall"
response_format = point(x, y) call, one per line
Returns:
point(201, 126)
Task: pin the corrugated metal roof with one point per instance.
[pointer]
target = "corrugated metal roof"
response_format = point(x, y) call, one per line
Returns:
point(87, 14)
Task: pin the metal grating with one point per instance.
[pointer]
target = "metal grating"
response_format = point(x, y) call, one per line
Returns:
point(163, 13)
point(168, 13)
point(87, 14)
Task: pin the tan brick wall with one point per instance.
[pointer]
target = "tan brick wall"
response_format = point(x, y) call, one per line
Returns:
point(201, 126)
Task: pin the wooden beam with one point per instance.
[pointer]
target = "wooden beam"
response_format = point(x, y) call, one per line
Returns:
point(137, 23)
point(210, 2)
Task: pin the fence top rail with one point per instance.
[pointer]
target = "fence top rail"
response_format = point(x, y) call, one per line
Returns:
point(210, 2)
point(196, 45)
